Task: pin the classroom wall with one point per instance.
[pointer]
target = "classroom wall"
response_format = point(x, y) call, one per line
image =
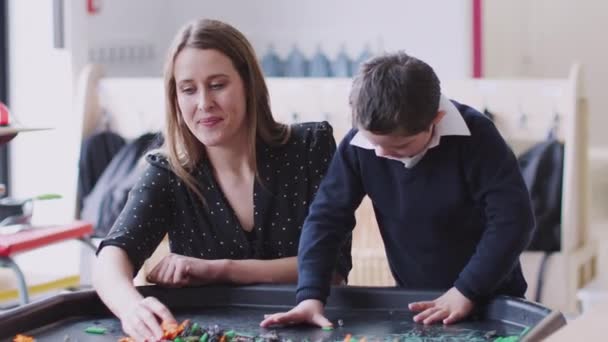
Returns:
point(542, 38)
point(521, 38)
point(41, 92)
point(442, 37)
point(40, 81)
point(131, 38)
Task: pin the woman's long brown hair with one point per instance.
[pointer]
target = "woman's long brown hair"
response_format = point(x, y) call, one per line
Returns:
point(183, 149)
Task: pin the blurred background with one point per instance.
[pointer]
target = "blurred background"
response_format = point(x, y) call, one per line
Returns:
point(45, 49)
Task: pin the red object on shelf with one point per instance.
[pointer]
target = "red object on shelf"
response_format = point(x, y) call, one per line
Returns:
point(37, 237)
point(93, 6)
point(3, 115)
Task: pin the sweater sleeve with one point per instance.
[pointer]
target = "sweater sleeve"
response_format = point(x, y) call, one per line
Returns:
point(329, 224)
point(498, 187)
point(321, 150)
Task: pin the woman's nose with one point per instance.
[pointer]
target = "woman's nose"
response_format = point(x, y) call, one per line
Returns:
point(205, 102)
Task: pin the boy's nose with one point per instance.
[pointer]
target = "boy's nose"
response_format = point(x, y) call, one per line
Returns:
point(381, 152)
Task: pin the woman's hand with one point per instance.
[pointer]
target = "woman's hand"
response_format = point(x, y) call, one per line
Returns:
point(142, 320)
point(176, 270)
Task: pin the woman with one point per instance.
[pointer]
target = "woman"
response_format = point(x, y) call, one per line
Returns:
point(231, 189)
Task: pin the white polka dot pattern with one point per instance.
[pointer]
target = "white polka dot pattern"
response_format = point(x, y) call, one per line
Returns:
point(289, 176)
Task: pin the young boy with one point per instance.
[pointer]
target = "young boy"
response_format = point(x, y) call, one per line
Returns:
point(448, 195)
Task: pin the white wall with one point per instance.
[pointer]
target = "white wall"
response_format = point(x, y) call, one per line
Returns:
point(542, 38)
point(436, 31)
point(136, 34)
point(42, 77)
point(40, 81)
point(131, 35)
point(505, 39)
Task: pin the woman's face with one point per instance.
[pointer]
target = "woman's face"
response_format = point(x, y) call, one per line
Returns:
point(210, 96)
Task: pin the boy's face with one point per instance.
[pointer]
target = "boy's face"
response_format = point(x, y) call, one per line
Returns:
point(398, 145)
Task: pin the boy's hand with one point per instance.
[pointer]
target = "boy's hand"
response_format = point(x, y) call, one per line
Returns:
point(451, 307)
point(308, 311)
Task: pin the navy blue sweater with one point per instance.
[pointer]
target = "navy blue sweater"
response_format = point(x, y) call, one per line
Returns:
point(460, 217)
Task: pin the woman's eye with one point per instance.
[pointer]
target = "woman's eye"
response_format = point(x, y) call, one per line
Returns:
point(216, 86)
point(188, 90)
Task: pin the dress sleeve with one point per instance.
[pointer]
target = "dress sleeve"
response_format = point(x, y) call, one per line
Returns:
point(146, 217)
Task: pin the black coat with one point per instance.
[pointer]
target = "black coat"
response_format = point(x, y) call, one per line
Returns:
point(105, 202)
point(542, 167)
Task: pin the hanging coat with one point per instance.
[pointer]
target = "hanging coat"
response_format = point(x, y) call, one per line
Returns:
point(542, 167)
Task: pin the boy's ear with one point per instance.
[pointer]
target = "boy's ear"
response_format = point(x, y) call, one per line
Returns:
point(438, 117)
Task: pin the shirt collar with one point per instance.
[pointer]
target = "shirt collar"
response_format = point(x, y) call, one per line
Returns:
point(452, 123)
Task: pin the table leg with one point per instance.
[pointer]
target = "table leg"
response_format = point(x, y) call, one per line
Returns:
point(86, 261)
point(23, 295)
point(87, 241)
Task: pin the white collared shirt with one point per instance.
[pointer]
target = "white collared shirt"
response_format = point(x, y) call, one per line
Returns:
point(452, 123)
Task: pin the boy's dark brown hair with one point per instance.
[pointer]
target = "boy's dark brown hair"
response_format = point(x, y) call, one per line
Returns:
point(395, 93)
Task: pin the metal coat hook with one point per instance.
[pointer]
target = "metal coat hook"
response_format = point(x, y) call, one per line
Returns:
point(105, 121)
point(523, 117)
point(554, 128)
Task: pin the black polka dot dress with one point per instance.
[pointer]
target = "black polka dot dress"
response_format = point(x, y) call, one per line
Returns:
point(289, 177)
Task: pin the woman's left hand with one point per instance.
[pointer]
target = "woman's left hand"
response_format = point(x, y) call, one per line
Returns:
point(176, 270)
